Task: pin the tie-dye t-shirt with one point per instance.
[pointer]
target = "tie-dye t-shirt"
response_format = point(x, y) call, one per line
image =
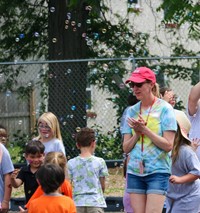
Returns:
point(161, 118)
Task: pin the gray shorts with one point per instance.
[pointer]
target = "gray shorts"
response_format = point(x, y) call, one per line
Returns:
point(89, 209)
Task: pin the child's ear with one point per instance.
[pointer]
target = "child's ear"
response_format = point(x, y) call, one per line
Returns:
point(78, 147)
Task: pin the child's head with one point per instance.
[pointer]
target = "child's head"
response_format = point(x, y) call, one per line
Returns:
point(56, 158)
point(34, 153)
point(85, 137)
point(181, 137)
point(48, 124)
point(50, 177)
point(3, 135)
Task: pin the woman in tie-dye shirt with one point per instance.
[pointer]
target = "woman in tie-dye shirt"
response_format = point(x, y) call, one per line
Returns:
point(148, 135)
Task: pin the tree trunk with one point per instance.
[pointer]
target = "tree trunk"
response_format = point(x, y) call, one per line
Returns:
point(67, 81)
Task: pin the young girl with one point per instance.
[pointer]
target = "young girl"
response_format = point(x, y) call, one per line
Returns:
point(49, 133)
point(65, 189)
point(184, 185)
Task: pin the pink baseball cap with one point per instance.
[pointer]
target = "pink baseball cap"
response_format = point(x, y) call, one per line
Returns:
point(142, 74)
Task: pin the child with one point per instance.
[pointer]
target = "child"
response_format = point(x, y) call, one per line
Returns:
point(184, 185)
point(126, 197)
point(49, 133)
point(59, 159)
point(6, 168)
point(34, 154)
point(50, 177)
point(3, 135)
point(87, 172)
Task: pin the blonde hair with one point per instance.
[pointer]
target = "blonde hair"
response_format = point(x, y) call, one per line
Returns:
point(52, 122)
point(156, 90)
point(57, 158)
point(178, 142)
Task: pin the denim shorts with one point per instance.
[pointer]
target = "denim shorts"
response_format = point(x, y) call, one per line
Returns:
point(156, 183)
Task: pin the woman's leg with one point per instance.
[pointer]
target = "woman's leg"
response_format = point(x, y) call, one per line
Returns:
point(138, 202)
point(155, 203)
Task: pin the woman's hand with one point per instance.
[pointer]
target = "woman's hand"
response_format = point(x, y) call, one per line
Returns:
point(137, 125)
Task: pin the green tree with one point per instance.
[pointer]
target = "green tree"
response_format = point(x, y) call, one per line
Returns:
point(76, 29)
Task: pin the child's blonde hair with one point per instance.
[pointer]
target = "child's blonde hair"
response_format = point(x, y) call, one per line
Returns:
point(57, 158)
point(52, 122)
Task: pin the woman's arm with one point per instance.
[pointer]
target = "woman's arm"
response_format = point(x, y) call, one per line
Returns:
point(129, 142)
point(164, 142)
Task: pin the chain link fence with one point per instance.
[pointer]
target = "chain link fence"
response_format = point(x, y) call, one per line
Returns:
point(89, 92)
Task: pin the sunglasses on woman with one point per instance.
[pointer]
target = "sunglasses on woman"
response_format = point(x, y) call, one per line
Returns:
point(139, 85)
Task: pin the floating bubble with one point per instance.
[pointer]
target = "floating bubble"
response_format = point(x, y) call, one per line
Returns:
point(36, 34)
point(103, 30)
point(73, 107)
point(69, 16)
point(17, 39)
point(74, 29)
point(66, 27)
point(21, 36)
point(83, 35)
point(105, 67)
point(8, 93)
point(64, 123)
point(66, 21)
point(117, 205)
point(79, 24)
point(104, 150)
point(73, 23)
point(50, 75)
point(30, 84)
point(20, 122)
point(88, 8)
point(84, 117)
point(54, 40)
point(89, 42)
point(78, 129)
point(116, 70)
point(71, 116)
point(69, 71)
point(52, 9)
point(102, 140)
point(88, 21)
point(96, 35)
point(1, 75)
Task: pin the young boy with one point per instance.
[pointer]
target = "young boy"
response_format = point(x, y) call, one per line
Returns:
point(34, 154)
point(6, 168)
point(87, 172)
point(51, 176)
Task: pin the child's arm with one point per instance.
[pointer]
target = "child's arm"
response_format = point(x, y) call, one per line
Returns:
point(16, 182)
point(102, 181)
point(183, 179)
point(7, 192)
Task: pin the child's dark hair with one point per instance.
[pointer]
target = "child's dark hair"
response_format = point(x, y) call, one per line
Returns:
point(34, 147)
point(85, 137)
point(50, 177)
